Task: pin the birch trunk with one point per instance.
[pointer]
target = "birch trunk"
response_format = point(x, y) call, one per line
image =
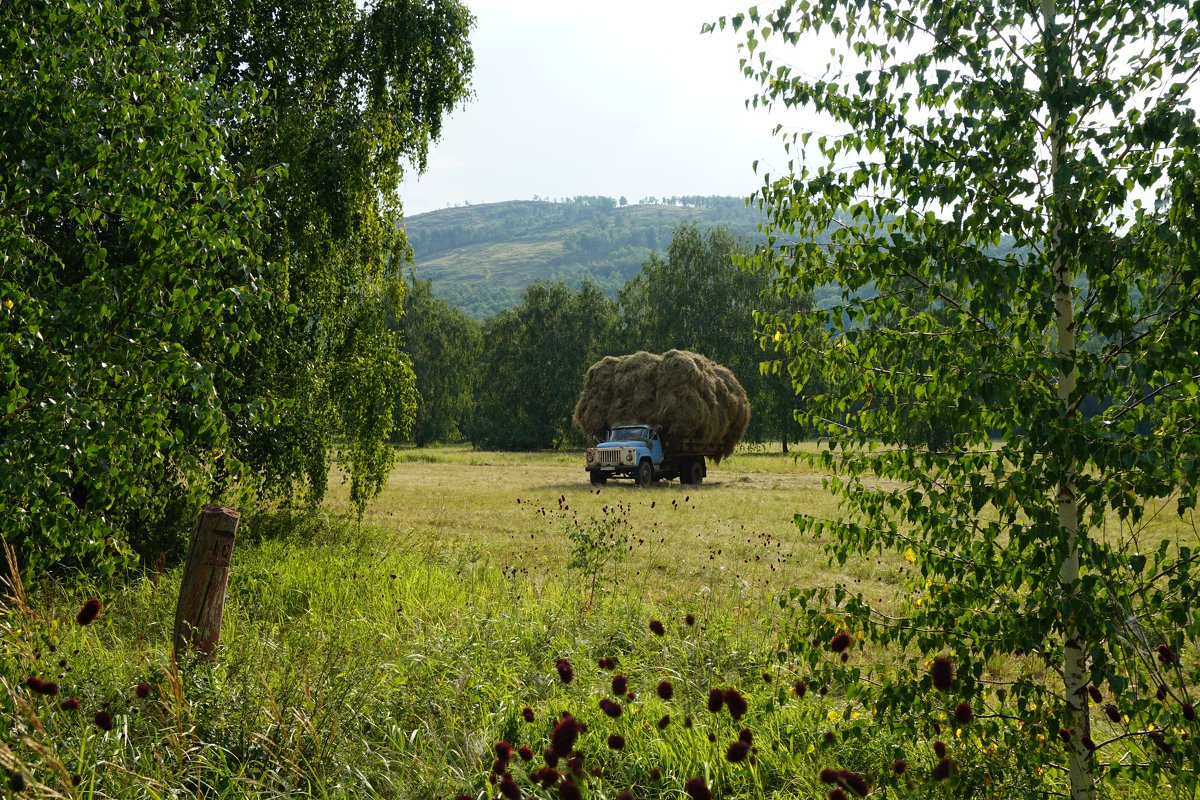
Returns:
point(1074, 671)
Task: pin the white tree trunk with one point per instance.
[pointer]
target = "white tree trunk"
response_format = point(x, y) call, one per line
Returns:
point(1074, 668)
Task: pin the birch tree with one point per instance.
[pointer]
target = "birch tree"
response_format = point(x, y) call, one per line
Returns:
point(1006, 194)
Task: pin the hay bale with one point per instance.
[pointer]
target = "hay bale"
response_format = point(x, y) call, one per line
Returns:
point(688, 395)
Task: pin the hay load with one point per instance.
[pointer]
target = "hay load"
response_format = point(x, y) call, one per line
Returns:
point(691, 397)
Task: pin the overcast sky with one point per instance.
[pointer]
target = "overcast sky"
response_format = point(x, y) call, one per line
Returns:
point(622, 97)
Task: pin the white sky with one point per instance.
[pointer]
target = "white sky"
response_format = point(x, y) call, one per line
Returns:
point(622, 97)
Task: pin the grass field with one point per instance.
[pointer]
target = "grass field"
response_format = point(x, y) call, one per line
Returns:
point(386, 658)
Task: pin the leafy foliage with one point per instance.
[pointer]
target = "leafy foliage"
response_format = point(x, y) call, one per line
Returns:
point(353, 96)
point(698, 299)
point(963, 124)
point(533, 363)
point(133, 276)
point(444, 345)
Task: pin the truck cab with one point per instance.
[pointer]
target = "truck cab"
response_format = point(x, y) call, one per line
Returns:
point(630, 451)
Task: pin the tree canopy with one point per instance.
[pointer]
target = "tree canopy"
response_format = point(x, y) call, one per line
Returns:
point(200, 255)
point(1065, 131)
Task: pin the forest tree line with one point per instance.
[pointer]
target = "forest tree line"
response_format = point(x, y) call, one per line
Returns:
point(511, 381)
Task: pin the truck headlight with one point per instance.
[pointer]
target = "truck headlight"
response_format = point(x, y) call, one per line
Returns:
point(591, 455)
point(629, 456)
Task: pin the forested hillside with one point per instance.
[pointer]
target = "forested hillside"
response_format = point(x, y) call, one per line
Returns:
point(481, 258)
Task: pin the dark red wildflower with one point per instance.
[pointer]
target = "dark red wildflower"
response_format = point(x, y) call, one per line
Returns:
point(564, 735)
point(142, 690)
point(664, 722)
point(1087, 742)
point(845, 657)
point(631, 696)
point(568, 790)
point(690, 619)
point(824, 690)
point(89, 612)
point(70, 704)
point(657, 628)
point(1166, 655)
point(712, 737)
point(746, 735)
point(801, 688)
point(609, 707)
point(1189, 712)
point(687, 722)
point(942, 672)
point(1094, 691)
point(963, 713)
point(837, 794)
point(616, 741)
point(103, 720)
point(575, 764)
point(697, 789)
point(504, 751)
point(546, 776)
point(527, 713)
point(767, 677)
point(899, 766)
point(606, 663)
point(620, 684)
point(625, 794)
point(737, 751)
point(508, 787)
point(565, 673)
point(525, 753)
point(828, 775)
point(1161, 693)
point(17, 781)
point(942, 770)
point(735, 703)
point(854, 782)
point(498, 767)
point(939, 747)
point(665, 689)
point(655, 774)
point(1064, 734)
point(716, 700)
point(550, 757)
point(35, 683)
point(840, 642)
point(829, 737)
point(1113, 712)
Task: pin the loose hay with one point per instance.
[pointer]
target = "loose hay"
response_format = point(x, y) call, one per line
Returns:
point(685, 393)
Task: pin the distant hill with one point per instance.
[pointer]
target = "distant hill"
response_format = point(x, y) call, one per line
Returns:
point(482, 257)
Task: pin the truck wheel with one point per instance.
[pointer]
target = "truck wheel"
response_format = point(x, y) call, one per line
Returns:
point(693, 473)
point(598, 477)
point(645, 473)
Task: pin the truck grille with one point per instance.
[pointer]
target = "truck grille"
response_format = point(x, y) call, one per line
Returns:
point(609, 457)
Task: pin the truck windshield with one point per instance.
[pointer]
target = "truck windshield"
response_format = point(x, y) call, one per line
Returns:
point(629, 434)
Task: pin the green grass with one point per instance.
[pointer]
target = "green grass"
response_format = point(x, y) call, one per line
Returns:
point(385, 659)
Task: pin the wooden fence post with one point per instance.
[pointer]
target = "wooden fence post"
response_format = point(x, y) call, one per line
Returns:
point(202, 592)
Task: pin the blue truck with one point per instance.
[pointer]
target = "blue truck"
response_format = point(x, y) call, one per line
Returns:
point(643, 453)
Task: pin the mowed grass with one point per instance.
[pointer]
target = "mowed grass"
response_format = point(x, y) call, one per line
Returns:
point(733, 535)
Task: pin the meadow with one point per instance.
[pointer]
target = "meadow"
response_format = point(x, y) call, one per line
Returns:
point(389, 657)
